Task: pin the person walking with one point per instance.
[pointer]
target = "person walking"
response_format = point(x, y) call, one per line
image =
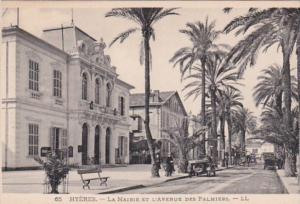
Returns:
point(226, 157)
point(169, 165)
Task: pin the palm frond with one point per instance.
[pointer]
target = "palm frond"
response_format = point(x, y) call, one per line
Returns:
point(123, 36)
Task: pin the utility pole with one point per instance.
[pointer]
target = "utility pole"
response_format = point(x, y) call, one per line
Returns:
point(18, 17)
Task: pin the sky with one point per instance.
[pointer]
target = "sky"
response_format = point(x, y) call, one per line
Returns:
point(125, 56)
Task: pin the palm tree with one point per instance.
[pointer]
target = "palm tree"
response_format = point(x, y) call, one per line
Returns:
point(180, 138)
point(203, 37)
point(298, 77)
point(269, 90)
point(274, 130)
point(145, 18)
point(219, 75)
point(271, 26)
point(243, 122)
point(230, 99)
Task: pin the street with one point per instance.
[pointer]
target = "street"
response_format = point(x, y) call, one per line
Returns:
point(238, 180)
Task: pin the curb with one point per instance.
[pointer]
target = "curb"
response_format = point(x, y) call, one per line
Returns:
point(144, 186)
point(140, 186)
point(285, 190)
point(123, 189)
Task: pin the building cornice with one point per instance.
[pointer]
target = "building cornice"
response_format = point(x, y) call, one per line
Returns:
point(123, 83)
point(20, 33)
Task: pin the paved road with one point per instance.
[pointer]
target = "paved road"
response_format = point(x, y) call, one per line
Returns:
point(238, 180)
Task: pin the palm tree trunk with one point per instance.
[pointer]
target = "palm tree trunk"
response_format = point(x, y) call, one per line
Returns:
point(203, 116)
point(298, 78)
point(155, 166)
point(243, 140)
point(287, 89)
point(222, 130)
point(183, 162)
point(229, 137)
point(213, 139)
point(289, 162)
point(278, 99)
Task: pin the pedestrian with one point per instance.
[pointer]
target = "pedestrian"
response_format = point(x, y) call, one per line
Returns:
point(169, 165)
point(226, 159)
point(248, 159)
point(157, 160)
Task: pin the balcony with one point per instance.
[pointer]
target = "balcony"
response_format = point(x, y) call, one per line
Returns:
point(96, 108)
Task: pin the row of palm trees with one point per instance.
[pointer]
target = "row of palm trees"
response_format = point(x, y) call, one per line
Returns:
point(212, 70)
point(268, 27)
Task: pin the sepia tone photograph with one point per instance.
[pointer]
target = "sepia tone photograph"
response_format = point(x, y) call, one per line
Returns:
point(150, 100)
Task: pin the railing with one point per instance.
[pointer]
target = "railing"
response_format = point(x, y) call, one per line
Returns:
point(98, 108)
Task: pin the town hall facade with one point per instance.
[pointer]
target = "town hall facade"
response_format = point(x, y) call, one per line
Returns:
point(61, 92)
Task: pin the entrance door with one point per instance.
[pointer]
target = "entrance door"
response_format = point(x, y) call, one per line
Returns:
point(97, 145)
point(84, 144)
point(107, 146)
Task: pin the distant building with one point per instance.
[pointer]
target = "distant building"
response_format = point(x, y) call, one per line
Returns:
point(61, 92)
point(166, 111)
point(259, 146)
point(194, 127)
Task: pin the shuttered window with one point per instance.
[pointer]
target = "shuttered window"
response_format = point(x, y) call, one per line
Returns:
point(33, 139)
point(123, 145)
point(57, 83)
point(58, 138)
point(33, 75)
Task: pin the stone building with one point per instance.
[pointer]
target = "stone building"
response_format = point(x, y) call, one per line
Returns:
point(61, 92)
point(166, 111)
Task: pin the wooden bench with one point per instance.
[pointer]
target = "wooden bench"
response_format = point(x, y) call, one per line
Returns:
point(95, 171)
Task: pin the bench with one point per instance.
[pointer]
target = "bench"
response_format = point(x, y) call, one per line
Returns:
point(94, 171)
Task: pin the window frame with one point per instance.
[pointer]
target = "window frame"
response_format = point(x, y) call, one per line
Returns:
point(57, 83)
point(33, 77)
point(33, 139)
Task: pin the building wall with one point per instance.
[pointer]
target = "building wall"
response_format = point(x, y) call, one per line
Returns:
point(23, 106)
point(155, 124)
point(162, 117)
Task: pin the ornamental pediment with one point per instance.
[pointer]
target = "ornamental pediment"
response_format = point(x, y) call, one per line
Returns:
point(95, 52)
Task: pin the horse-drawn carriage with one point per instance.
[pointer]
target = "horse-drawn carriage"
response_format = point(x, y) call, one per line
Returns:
point(202, 166)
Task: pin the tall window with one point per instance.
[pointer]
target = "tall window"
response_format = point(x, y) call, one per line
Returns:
point(97, 91)
point(121, 105)
point(57, 83)
point(108, 95)
point(123, 145)
point(33, 140)
point(33, 75)
point(58, 138)
point(84, 86)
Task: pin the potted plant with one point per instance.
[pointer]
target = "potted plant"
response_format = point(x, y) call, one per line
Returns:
point(55, 170)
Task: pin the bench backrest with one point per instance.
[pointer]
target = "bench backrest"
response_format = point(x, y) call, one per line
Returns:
point(89, 171)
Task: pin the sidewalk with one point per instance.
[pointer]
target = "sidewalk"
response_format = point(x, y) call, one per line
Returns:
point(290, 183)
point(131, 176)
point(121, 179)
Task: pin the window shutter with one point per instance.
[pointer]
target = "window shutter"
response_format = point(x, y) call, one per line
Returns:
point(51, 138)
point(119, 104)
point(119, 146)
point(125, 146)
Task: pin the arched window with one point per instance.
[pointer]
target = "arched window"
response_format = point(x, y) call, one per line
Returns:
point(108, 94)
point(97, 91)
point(84, 86)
